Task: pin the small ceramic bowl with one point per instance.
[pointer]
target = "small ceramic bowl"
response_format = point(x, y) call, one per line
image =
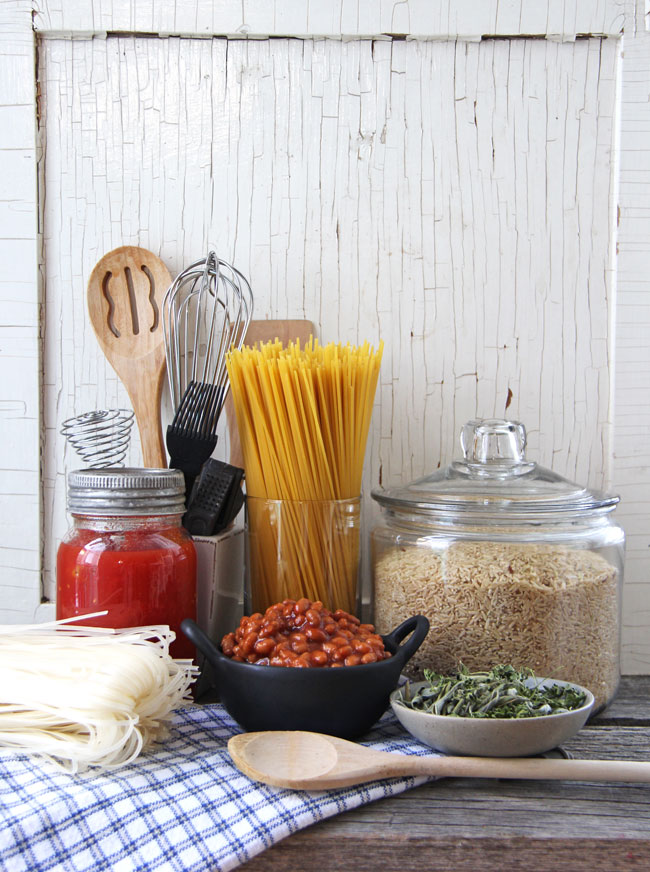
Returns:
point(492, 737)
point(341, 702)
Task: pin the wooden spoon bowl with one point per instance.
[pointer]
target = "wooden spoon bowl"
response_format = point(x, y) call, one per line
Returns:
point(125, 294)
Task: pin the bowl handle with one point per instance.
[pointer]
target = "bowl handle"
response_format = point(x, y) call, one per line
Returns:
point(196, 635)
point(418, 625)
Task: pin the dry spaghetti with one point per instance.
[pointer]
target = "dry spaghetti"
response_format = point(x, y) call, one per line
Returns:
point(303, 415)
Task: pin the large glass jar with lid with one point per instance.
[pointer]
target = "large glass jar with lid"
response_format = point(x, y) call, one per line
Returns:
point(510, 562)
point(127, 553)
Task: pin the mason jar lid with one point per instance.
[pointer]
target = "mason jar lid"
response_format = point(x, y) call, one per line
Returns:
point(494, 479)
point(126, 491)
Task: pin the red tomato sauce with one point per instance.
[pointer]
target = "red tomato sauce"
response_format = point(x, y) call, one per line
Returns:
point(141, 577)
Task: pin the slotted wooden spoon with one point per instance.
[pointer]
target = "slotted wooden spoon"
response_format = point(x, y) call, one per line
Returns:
point(125, 294)
point(313, 761)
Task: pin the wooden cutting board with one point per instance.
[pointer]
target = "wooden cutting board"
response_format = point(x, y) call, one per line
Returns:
point(264, 331)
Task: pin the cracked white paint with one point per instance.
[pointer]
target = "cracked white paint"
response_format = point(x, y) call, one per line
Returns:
point(631, 460)
point(348, 19)
point(20, 531)
point(456, 198)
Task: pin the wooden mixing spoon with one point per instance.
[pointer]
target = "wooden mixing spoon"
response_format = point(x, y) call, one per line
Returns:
point(313, 761)
point(125, 294)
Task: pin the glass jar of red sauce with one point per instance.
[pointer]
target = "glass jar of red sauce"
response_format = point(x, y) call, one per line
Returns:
point(127, 552)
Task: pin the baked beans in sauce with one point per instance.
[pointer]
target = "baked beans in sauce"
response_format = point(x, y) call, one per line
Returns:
point(305, 634)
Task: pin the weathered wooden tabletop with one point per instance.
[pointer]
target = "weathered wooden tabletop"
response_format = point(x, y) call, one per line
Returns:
point(465, 824)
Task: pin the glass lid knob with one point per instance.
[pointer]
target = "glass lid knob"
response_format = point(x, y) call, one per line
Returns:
point(494, 442)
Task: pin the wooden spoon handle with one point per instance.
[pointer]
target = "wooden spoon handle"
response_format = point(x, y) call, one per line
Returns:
point(530, 768)
point(146, 406)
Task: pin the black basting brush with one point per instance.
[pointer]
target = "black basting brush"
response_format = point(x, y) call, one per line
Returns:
point(192, 434)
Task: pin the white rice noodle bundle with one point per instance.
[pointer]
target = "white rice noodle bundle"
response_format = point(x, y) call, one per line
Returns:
point(88, 696)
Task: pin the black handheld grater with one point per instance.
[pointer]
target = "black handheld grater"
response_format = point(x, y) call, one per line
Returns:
point(215, 500)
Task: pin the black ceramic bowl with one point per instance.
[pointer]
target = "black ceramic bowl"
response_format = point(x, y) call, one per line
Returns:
point(341, 702)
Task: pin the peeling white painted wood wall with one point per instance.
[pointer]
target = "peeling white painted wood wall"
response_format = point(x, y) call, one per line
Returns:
point(454, 196)
point(631, 382)
point(20, 435)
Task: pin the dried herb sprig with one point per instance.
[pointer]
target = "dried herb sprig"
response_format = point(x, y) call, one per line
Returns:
point(501, 692)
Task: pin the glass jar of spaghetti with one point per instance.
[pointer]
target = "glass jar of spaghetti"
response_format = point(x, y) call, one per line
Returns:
point(127, 553)
point(300, 548)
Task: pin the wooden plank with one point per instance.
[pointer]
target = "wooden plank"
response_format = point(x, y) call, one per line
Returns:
point(430, 19)
point(630, 705)
point(451, 854)
point(20, 530)
point(631, 464)
point(467, 824)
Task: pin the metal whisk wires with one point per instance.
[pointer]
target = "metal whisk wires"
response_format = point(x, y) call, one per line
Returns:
point(206, 311)
point(101, 437)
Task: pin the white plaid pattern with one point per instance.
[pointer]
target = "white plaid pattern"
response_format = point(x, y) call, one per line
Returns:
point(183, 806)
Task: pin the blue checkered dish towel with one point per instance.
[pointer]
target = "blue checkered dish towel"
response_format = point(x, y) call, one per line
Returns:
point(181, 806)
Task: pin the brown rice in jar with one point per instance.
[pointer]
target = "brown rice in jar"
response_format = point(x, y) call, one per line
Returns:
point(509, 562)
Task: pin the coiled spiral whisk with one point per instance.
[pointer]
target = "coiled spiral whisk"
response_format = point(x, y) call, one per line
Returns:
point(101, 438)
